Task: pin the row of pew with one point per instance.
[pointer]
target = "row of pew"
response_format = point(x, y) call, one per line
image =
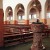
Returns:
point(16, 34)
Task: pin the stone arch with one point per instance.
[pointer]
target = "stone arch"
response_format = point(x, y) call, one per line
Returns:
point(9, 14)
point(47, 8)
point(34, 4)
point(19, 12)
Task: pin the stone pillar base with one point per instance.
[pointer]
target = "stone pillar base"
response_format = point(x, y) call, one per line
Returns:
point(27, 22)
point(15, 22)
point(5, 22)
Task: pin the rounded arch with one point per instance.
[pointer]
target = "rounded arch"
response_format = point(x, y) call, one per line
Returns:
point(36, 5)
point(34, 10)
point(19, 5)
point(47, 8)
point(9, 11)
point(19, 12)
point(9, 14)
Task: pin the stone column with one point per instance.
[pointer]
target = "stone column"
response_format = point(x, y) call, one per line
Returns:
point(5, 18)
point(26, 16)
point(37, 29)
point(15, 17)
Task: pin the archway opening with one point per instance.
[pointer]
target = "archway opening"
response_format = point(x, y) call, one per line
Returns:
point(34, 10)
point(9, 15)
point(32, 14)
point(48, 11)
point(19, 13)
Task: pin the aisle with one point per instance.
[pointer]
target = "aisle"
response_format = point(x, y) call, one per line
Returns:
point(26, 46)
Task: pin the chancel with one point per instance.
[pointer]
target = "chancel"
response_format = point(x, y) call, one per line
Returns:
point(24, 24)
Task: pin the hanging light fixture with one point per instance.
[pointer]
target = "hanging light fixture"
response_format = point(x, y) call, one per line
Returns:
point(19, 7)
point(9, 10)
point(34, 4)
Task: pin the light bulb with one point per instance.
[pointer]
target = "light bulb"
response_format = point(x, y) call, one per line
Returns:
point(34, 4)
point(9, 10)
point(19, 7)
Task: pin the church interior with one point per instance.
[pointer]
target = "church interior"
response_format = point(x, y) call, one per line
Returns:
point(24, 24)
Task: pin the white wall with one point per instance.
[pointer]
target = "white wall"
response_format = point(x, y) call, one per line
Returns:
point(13, 3)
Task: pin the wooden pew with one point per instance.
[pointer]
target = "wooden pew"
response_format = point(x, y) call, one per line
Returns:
point(46, 31)
point(17, 33)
